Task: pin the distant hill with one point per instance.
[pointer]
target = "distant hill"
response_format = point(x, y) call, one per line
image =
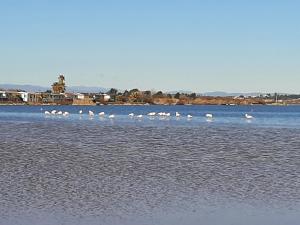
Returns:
point(217, 93)
point(86, 89)
point(179, 91)
point(36, 88)
point(25, 87)
point(224, 94)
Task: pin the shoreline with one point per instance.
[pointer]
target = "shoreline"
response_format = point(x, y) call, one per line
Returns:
point(147, 104)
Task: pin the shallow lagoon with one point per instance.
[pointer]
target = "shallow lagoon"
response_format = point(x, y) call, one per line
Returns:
point(82, 170)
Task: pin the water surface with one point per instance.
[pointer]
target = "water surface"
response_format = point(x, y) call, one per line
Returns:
point(82, 170)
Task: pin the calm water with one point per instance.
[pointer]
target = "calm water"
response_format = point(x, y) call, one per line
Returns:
point(168, 171)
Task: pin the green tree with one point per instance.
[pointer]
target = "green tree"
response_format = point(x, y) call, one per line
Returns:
point(135, 90)
point(126, 93)
point(147, 93)
point(112, 93)
point(158, 94)
point(177, 95)
point(193, 95)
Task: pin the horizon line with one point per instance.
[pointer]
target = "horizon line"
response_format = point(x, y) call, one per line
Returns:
point(153, 89)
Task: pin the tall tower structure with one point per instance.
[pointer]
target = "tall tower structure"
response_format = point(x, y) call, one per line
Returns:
point(60, 86)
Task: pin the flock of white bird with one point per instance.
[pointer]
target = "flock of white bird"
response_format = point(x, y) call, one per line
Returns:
point(54, 112)
point(150, 114)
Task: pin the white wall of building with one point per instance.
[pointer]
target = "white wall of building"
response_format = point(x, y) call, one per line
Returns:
point(24, 96)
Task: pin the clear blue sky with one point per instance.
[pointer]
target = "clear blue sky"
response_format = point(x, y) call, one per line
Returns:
point(201, 45)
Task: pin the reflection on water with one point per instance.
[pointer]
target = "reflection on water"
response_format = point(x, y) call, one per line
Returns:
point(61, 172)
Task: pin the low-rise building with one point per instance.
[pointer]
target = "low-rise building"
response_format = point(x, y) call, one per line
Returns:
point(38, 98)
point(3, 97)
point(24, 95)
point(11, 97)
point(100, 98)
point(80, 96)
point(83, 100)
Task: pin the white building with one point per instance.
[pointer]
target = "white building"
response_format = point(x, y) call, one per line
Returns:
point(2, 94)
point(24, 96)
point(80, 96)
point(106, 97)
point(101, 97)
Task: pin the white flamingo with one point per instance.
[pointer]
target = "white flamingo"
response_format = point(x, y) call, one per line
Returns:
point(209, 115)
point(247, 116)
point(151, 114)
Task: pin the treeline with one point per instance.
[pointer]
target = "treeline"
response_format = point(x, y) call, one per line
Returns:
point(288, 97)
point(138, 96)
point(277, 96)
